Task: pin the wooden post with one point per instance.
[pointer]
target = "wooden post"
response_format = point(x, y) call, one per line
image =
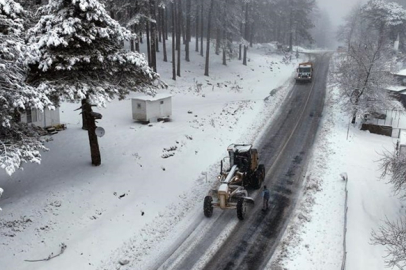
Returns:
point(91, 131)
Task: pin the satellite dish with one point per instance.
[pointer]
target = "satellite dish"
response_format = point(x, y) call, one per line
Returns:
point(100, 132)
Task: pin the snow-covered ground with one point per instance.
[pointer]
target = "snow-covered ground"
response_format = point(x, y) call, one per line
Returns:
point(153, 177)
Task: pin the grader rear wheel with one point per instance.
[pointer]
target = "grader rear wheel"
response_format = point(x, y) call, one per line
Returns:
point(241, 209)
point(208, 207)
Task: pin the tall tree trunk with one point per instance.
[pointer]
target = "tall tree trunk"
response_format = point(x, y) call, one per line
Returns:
point(153, 34)
point(178, 22)
point(218, 35)
point(239, 52)
point(173, 42)
point(291, 27)
point(132, 41)
point(201, 27)
point(148, 43)
point(137, 42)
point(182, 25)
point(159, 24)
point(251, 34)
point(244, 59)
point(84, 118)
point(246, 26)
point(188, 15)
point(91, 131)
point(163, 37)
point(178, 34)
point(206, 67)
point(168, 23)
point(224, 33)
point(197, 27)
point(135, 28)
point(225, 56)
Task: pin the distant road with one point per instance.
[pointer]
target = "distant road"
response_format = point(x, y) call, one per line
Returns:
point(284, 149)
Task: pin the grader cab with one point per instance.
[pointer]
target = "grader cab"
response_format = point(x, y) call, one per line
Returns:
point(244, 171)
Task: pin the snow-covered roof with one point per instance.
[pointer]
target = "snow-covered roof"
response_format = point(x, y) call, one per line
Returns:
point(401, 72)
point(152, 98)
point(396, 88)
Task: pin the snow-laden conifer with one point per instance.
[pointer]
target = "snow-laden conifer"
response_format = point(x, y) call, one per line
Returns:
point(81, 54)
point(81, 57)
point(19, 142)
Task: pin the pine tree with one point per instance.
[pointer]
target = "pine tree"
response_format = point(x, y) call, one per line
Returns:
point(19, 142)
point(81, 56)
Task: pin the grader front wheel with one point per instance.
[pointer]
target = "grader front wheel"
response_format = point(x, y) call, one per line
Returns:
point(207, 206)
point(241, 209)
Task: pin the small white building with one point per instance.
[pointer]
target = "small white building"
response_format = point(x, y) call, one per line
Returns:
point(152, 108)
point(44, 118)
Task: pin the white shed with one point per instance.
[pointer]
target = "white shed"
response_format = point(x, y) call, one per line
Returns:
point(44, 118)
point(152, 108)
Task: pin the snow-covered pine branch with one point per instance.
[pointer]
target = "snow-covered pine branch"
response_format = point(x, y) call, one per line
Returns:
point(81, 54)
point(19, 142)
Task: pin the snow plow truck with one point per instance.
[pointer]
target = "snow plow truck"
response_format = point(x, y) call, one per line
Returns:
point(304, 73)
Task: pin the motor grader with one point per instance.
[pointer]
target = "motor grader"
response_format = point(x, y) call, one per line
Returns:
point(243, 172)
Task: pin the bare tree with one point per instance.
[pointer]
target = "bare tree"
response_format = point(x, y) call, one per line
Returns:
point(346, 31)
point(364, 73)
point(394, 164)
point(392, 235)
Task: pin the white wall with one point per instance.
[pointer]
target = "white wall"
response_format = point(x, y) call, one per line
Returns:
point(151, 109)
point(43, 118)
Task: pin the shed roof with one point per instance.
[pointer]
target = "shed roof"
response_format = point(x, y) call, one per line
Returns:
point(152, 98)
point(396, 88)
point(401, 73)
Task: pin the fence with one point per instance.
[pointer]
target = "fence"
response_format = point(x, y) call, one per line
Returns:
point(345, 178)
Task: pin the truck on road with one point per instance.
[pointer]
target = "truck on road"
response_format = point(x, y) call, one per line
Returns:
point(304, 73)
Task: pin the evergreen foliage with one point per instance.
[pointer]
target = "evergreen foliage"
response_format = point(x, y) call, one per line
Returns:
point(19, 142)
point(82, 56)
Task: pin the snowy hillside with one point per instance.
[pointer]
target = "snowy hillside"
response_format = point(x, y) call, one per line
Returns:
point(151, 177)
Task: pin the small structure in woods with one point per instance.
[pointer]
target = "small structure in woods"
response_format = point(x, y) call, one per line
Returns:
point(44, 118)
point(152, 108)
point(400, 77)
